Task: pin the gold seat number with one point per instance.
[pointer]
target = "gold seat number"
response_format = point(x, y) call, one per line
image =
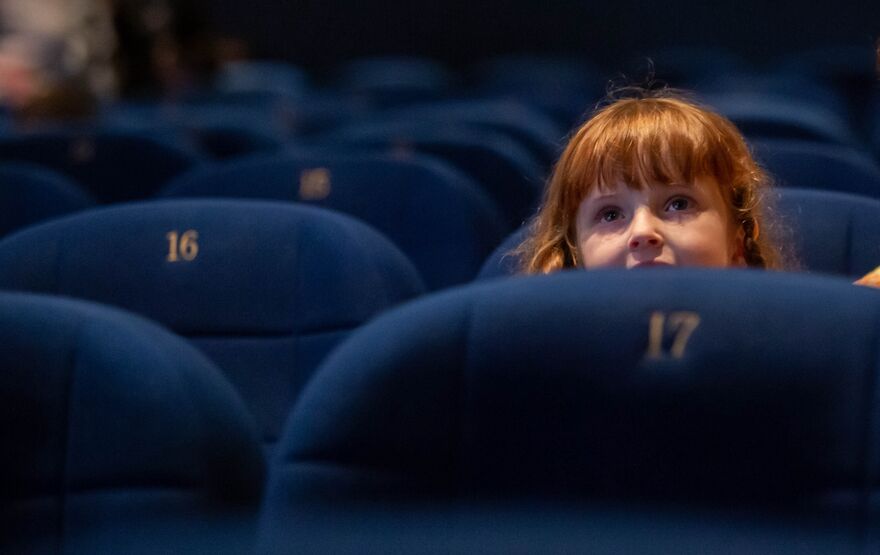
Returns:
point(680, 324)
point(183, 247)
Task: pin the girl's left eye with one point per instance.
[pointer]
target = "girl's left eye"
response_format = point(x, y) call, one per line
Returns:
point(678, 203)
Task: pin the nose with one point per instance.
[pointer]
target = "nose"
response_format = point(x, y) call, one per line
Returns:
point(644, 230)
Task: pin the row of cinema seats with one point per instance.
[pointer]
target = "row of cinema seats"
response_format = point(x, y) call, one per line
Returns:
point(267, 289)
point(505, 146)
point(445, 220)
point(580, 412)
point(552, 414)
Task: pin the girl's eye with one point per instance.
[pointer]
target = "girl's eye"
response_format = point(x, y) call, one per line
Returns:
point(678, 203)
point(609, 214)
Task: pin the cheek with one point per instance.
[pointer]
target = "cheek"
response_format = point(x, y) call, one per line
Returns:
point(598, 251)
point(707, 245)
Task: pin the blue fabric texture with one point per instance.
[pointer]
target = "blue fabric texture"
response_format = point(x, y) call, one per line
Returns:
point(719, 388)
point(769, 116)
point(519, 121)
point(438, 217)
point(502, 261)
point(112, 426)
point(811, 165)
point(504, 169)
point(832, 233)
point(31, 194)
point(271, 288)
point(111, 165)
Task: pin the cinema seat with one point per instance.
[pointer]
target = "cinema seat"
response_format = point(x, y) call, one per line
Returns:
point(810, 165)
point(264, 289)
point(112, 165)
point(702, 390)
point(31, 194)
point(119, 437)
point(437, 216)
point(505, 170)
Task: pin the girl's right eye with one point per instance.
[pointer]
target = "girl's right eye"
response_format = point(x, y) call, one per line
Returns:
point(609, 214)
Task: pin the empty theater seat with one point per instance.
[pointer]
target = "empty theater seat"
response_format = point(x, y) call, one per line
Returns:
point(721, 390)
point(504, 261)
point(769, 116)
point(832, 233)
point(811, 165)
point(438, 217)
point(118, 437)
point(561, 86)
point(505, 170)
point(391, 80)
point(31, 194)
point(265, 289)
point(530, 127)
point(113, 166)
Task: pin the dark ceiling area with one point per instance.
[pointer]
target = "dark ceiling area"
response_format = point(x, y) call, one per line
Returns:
point(317, 34)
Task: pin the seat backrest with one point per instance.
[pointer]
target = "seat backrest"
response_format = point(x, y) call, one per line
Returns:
point(829, 232)
point(118, 436)
point(848, 68)
point(216, 127)
point(692, 68)
point(811, 165)
point(820, 231)
point(438, 217)
point(111, 165)
point(391, 81)
point(804, 90)
point(717, 388)
point(261, 76)
point(31, 194)
point(265, 289)
point(503, 261)
point(530, 127)
point(561, 86)
point(506, 171)
point(768, 116)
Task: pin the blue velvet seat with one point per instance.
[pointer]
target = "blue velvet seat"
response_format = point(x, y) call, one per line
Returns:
point(220, 126)
point(810, 165)
point(261, 76)
point(687, 67)
point(394, 80)
point(530, 127)
point(30, 194)
point(503, 261)
point(769, 116)
point(264, 289)
point(831, 233)
point(563, 87)
point(849, 68)
point(504, 169)
point(119, 437)
point(111, 165)
point(437, 216)
point(711, 390)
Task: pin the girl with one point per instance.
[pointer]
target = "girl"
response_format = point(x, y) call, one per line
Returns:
point(652, 180)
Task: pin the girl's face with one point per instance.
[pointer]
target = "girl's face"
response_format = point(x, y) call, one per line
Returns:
point(663, 225)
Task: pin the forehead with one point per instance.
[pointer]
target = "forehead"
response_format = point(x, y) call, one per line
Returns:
point(702, 184)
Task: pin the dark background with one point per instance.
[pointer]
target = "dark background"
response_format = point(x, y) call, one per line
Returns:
point(321, 33)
